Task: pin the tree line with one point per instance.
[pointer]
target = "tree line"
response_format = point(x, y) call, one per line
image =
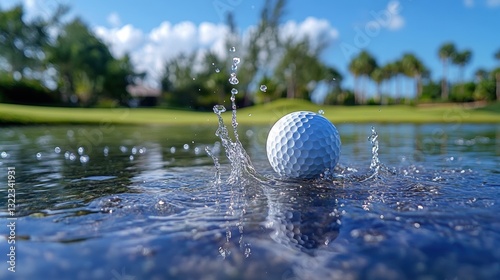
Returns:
point(74, 67)
point(364, 67)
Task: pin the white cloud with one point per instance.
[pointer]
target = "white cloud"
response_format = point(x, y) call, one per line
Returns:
point(114, 20)
point(493, 3)
point(469, 3)
point(488, 3)
point(150, 51)
point(318, 30)
point(396, 21)
point(38, 8)
point(121, 40)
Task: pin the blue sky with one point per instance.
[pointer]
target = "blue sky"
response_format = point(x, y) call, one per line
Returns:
point(154, 30)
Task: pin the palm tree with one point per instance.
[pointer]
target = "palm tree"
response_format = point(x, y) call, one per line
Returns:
point(446, 52)
point(397, 71)
point(355, 69)
point(461, 59)
point(480, 74)
point(362, 66)
point(497, 76)
point(413, 67)
point(378, 76)
point(299, 66)
point(388, 74)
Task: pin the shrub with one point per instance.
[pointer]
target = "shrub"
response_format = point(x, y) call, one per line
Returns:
point(26, 91)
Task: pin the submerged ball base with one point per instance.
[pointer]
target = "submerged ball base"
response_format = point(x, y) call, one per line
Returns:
point(303, 145)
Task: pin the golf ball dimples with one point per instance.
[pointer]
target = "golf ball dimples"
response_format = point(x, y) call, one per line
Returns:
point(303, 145)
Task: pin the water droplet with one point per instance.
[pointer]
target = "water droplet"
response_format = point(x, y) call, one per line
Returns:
point(217, 70)
point(233, 80)
point(232, 49)
point(236, 60)
point(213, 63)
point(186, 146)
point(249, 115)
point(219, 109)
point(321, 112)
point(123, 149)
point(263, 88)
point(134, 150)
point(81, 150)
point(131, 157)
point(234, 91)
point(334, 79)
point(57, 150)
point(106, 151)
point(39, 156)
point(248, 252)
point(72, 156)
point(84, 159)
point(172, 150)
point(234, 67)
point(4, 154)
point(194, 78)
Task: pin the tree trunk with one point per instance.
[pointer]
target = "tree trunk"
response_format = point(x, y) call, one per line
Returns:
point(356, 90)
point(497, 76)
point(418, 89)
point(444, 82)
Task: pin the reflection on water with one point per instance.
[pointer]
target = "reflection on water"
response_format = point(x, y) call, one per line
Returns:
point(94, 203)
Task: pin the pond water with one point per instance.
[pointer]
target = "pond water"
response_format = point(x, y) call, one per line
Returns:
point(144, 202)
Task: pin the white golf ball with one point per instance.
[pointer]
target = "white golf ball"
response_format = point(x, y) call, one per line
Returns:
point(303, 145)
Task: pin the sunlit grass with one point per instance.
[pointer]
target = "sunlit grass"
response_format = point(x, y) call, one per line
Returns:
point(261, 114)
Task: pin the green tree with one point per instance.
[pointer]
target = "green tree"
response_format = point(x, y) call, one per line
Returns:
point(389, 71)
point(480, 74)
point(22, 42)
point(119, 74)
point(378, 76)
point(334, 80)
point(179, 82)
point(299, 68)
point(461, 59)
point(272, 91)
point(497, 76)
point(362, 66)
point(413, 67)
point(445, 52)
point(81, 60)
point(263, 46)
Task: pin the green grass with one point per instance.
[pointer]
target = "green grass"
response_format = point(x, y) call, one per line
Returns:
point(261, 114)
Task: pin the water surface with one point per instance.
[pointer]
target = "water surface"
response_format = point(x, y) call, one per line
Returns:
point(122, 202)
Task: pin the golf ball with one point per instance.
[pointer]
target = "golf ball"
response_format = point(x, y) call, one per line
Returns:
point(303, 145)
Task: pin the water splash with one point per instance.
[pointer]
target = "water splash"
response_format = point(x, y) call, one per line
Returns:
point(241, 165)
point(212, 153)
point(375, 162)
